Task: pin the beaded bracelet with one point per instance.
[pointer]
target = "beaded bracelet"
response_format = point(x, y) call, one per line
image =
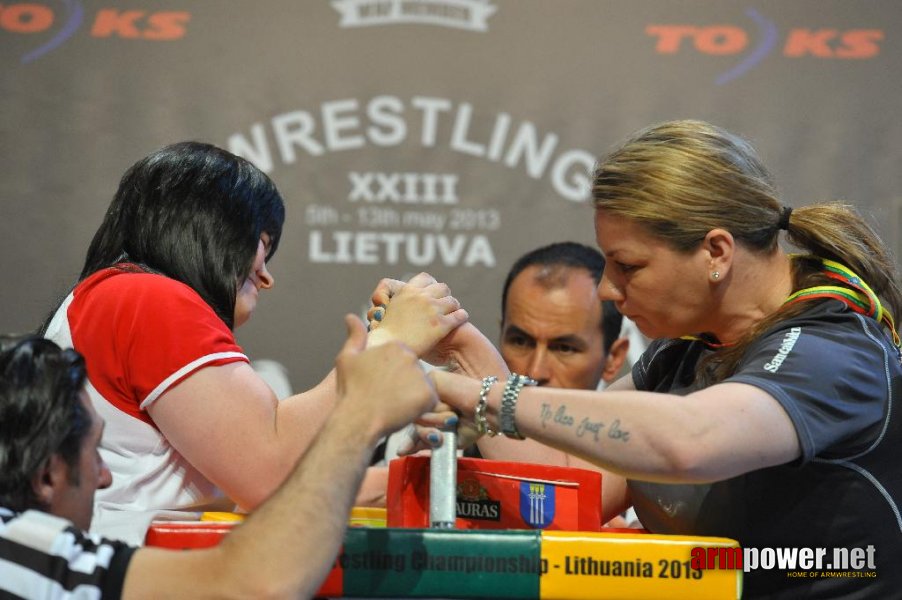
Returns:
point(509, 399)
point(482, 425)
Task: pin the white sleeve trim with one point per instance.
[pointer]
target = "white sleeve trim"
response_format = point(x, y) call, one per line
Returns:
point(192, 366)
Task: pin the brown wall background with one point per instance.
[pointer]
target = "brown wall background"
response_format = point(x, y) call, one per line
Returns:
point(395, 127)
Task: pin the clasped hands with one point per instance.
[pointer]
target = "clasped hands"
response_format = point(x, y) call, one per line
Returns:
point(424, 315)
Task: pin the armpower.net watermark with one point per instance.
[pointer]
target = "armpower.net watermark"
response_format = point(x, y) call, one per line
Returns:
point(796, 562)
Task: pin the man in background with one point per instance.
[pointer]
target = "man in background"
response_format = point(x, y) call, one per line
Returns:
point(555, 330)
point(553, 326)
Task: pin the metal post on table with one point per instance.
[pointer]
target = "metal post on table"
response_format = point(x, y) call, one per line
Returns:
point(443, 482)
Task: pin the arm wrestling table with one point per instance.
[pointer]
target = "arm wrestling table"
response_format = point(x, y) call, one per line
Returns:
point(479, 556)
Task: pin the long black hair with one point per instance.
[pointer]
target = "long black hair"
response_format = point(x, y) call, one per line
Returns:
point(192, 212)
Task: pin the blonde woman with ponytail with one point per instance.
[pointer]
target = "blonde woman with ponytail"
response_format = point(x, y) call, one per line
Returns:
point(768, 408)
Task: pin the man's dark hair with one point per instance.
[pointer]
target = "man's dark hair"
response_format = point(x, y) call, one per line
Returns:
point(569, 255)
point(41, 414)
point(192, 212)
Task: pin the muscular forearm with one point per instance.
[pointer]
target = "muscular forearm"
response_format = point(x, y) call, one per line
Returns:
point(230, 426)
point(287, 546)
point(373, 487)
point(603, 430)
point(471, 353)
point(297, 420)
point(300, 418)
point(658, 437)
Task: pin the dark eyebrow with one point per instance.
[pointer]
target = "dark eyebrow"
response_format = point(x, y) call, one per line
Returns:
point(514, 330)
point(572, 340)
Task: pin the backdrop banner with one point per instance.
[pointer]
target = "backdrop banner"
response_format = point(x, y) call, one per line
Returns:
point(446, 136)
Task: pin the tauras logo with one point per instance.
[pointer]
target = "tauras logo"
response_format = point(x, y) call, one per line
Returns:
point(473, 502)
point(485, 510)
point(472, 15)
point(789, 340)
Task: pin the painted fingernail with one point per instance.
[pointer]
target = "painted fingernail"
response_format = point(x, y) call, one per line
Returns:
point(379, 313)
point(433, 439)
point(452, 420)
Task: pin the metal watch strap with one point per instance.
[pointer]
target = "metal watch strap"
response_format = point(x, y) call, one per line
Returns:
point(509, 399)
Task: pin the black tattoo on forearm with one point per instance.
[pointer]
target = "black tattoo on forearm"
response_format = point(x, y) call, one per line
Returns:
point(615, 433)
point(545, 414)
point(560, 417)
point(587, 425)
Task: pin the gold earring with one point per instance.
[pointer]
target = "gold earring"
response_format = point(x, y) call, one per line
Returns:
point(715, 275)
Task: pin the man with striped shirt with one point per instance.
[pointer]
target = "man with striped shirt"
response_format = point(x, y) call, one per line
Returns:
point(50, 469)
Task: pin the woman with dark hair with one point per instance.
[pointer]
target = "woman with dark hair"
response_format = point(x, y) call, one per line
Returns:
point(767, 410)
point(175, 266)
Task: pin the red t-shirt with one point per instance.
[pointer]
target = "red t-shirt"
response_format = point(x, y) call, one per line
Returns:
point(141, 334)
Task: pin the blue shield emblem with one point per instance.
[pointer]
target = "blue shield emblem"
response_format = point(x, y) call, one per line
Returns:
point(537, 504)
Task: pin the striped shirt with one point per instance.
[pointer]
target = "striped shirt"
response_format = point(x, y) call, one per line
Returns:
point(43, 556)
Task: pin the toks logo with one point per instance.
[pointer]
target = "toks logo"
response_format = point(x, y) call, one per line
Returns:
point(33, 18)
point(799, 42)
